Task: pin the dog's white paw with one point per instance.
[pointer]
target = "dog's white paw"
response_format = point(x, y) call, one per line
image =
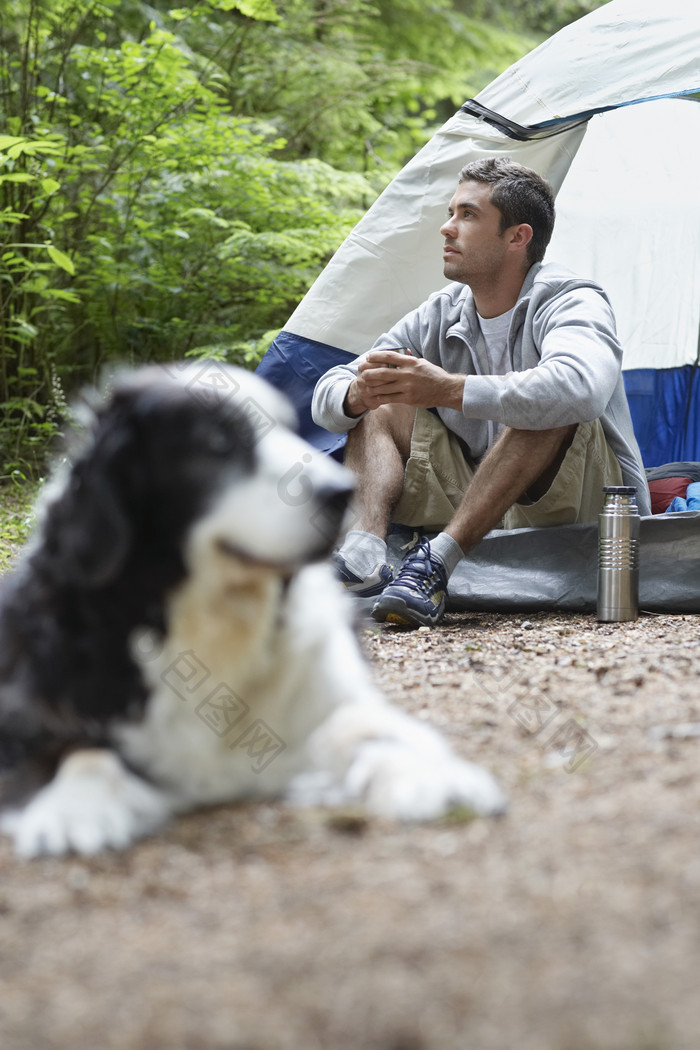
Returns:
point(93, 803)
point(398, 783)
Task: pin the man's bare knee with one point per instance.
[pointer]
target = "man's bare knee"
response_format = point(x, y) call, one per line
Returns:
point(392, 423)
point(549, 447)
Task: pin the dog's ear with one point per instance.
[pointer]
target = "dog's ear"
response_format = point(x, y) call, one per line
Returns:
point(88, 529)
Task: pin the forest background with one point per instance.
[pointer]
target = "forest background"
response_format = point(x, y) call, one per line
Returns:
point(173, 179)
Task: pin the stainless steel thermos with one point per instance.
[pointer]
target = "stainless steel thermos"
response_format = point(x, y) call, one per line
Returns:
point(618, 555)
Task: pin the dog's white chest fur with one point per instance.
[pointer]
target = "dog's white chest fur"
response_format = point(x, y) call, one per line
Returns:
point(239, 686)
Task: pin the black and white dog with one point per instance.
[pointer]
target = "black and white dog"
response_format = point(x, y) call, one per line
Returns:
point(172, 637)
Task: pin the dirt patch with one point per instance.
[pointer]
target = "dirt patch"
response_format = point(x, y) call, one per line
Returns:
point(573, 923)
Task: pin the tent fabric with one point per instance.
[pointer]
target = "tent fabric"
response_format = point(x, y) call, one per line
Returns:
point(632, 192)
point(650, 267)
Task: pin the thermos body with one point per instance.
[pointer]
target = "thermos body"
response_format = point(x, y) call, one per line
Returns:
point(618, 555)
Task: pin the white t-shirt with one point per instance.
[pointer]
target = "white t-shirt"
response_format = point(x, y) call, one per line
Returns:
point(495, 333)
point(496, 362)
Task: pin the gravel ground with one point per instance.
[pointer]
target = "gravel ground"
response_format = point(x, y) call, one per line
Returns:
point(572, 923)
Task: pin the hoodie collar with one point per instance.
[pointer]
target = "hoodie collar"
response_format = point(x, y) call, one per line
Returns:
point(469, 320)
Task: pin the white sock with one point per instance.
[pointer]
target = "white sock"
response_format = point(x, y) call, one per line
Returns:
point(363, 551)
point(448, 551)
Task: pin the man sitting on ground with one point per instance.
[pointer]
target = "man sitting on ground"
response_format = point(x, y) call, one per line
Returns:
point(509, 410)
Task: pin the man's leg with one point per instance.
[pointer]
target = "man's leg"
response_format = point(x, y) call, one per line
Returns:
point(377, 451)
point(522, 463)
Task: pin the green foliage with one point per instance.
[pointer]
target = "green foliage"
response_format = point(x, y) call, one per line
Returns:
point(547, 16)
point(16, 516)
point(380, 74)
point(173, 179)
point(139, 216)
point(221, 241)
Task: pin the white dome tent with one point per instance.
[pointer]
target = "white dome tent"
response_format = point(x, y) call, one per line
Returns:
point(581, 110)
point(600, 110)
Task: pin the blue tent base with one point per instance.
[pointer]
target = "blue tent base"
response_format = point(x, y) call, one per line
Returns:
point(530, 570)
point(665, 408)
point(294, 365)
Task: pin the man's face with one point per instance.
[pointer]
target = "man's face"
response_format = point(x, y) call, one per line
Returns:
point(474, 246)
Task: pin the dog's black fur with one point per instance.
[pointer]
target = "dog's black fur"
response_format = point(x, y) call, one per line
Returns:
point(108, 554)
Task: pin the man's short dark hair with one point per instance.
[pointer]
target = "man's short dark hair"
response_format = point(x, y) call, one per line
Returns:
point(521, 195)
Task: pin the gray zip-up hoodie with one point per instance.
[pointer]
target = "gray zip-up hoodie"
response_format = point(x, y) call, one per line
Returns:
point(566, 361)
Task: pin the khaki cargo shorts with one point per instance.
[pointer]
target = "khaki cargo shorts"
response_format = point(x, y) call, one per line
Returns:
point(438, 474)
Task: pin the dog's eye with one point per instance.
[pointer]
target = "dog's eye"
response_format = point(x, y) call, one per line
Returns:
point(226, 442)
point(220, 442)
point(215, 436)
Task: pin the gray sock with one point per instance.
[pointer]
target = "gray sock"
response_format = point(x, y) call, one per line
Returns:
point(363, 551)
point(448, 551)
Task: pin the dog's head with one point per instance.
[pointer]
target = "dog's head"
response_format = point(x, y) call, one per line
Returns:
point(197, 445)
point(189, 472)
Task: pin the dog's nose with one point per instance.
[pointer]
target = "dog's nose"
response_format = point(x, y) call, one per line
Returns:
point(335, 498)
point(332, 502)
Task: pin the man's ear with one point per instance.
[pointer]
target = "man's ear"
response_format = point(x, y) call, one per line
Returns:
point(519, 236)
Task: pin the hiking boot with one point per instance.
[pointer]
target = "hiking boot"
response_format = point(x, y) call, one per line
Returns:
point(416, 598)
point(363, 586)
